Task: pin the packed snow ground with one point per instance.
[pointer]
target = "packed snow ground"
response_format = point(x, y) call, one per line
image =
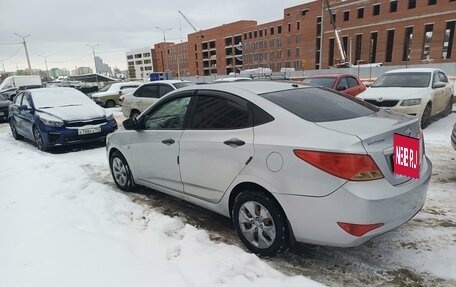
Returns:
point(64, 223)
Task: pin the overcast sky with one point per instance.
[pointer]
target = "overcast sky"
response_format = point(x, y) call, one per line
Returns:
point(59, 30)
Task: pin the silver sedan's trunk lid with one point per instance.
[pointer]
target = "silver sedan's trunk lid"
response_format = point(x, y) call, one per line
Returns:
point(376, 133)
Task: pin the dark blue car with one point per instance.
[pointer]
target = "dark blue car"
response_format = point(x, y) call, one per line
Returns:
point(58, 116)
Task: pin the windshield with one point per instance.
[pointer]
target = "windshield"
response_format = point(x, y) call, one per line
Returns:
point(182, 84)
point(323, 81)
point(59, 97)
point(319, 105)
point(403, 80)
point(105, 88)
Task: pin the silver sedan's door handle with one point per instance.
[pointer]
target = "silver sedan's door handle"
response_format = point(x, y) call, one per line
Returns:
point(168, 141)
point(234, 142)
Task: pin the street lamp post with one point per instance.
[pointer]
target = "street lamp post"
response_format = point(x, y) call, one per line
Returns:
point(93, 52)
point(45, 62)
point(26, 51)
point(165, 65)
point(164, 32)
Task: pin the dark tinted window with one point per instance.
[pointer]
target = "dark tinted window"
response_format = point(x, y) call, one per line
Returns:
point(170, 115)
point(320, 105)
point(260, 116)
point(26, 101)
point(18, 99)
point(327, 82)
point(343, 84)
point(220, 113)
point(443, 77)
point(405, 80)
point(352, 82)
point(164, 89)
point(148, 91)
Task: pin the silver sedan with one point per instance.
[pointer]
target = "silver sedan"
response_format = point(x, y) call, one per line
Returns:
point(286, 162)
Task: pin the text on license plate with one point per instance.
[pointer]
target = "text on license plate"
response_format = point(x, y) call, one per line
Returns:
point(89, 131)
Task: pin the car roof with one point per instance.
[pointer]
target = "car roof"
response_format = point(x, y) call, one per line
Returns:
point(63, 90)
point(414, 70)
point(126, 83)
point(255, 87)
point(167, 82)
point(334, 75)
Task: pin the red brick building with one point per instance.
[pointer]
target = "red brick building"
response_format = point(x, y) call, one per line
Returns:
point(392, 32)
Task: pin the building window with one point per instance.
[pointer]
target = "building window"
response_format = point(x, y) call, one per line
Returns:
point(131, 63)
point(288, 53)
point(298, 39)
point(245, 36)
point(346, 15)
point(358, 45)
point(407, 43)
point(333, 18)
point(271, 55)
point(389, 46)
point(147, 61)
point(260, 32)
point(411, 5)
point(373, 47)
point(318, 32)
point(272, 31)
point(376, 9)
point(432, 2)
point(265, 32)
point(138, 62)
point(288, 40)
point(279, 54)
point(360, 13)
point(137, 56)
point(250, 35)
point(428, 31)
point(297, 52)
point(129, 57)
point(279, 29)
point(331, 52)
point(448, 40)
point(255, 34)
point(289, 27)
point(146, 55)
point(298, 25)
point(279, 42)
point(271, 43)
point(304, 12)
point(393, 6)
point(345, 46)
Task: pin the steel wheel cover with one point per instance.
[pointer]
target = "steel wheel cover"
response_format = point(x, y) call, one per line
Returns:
point(120, 171)
point(256, 224)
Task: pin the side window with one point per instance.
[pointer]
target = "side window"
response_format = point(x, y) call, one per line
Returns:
point(18, 99)
point(169, 116)
point(343, 84)
point(443, 77)
point(26, 101)
point(352, 82)
point(436, 78)
point(164, 89)
point(149, 91)
point(218, 113)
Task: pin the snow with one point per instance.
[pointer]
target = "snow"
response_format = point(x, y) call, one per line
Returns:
point(61, 227)
point(64, 223)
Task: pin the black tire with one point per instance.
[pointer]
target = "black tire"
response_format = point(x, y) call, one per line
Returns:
point(426, 117)
point(14, 132)
point(134, 114)
point(258, 229)
point(449, 107)
point(120, 171)
point(110, 104)
point(39, 141)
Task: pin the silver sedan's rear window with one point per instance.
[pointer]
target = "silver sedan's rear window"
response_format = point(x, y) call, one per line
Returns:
point(320, 105)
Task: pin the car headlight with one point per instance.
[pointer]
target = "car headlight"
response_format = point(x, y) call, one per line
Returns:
point(411, 102)
point(109, 116)
point(51, 122)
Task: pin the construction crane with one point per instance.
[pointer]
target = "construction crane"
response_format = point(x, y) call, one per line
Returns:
point(344, 63)
point(188, 21)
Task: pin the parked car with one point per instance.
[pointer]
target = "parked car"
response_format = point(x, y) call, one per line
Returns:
point(284, 161)
point(344, 83)
point(108, 96)
point(421, 92)
point(4, 104)
point(58, 116)
point(147, 94)
point(16, 82)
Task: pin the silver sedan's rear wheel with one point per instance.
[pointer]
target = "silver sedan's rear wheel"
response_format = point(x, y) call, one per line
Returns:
point(121, 171)
point(260, 223)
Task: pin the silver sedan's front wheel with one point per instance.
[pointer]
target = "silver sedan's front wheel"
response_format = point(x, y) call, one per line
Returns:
point(260, 223)
point(120, 171)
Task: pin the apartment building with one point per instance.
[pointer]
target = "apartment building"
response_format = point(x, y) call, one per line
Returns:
point(390, 32)
point(140, 64)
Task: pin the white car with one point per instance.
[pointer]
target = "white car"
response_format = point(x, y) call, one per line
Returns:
point(421, 92)
point(108, 96)
point(135, 103)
